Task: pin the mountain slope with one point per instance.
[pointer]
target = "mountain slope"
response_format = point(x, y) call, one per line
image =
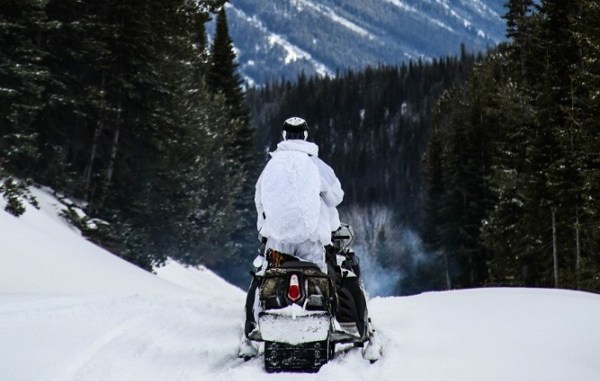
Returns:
point(283, 38)
point(184, 324)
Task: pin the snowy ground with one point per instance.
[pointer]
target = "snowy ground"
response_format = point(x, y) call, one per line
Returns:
point(71, 311)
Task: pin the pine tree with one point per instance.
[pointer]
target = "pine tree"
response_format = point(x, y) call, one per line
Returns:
point(222, 78)
point(224, 82)
point(73, 121)
point(502, 231)
point(583, 119)
point(22, 81)
point(158, 124)
point(520, 29)
point(556, 94)
point(434, 187)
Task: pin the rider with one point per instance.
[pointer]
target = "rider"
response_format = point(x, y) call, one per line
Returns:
point(284, 226)
point(295, 157)
point(344, 270)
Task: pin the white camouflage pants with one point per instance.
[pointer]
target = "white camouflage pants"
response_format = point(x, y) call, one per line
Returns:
point(307, 251)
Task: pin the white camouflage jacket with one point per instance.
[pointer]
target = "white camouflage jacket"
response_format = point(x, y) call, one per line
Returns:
point(330, 191)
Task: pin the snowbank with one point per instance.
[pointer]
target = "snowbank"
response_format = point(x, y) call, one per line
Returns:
point(41, 254)
point(199, 279)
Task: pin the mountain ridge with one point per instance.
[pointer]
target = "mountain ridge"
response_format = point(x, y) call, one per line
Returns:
point(282, 39)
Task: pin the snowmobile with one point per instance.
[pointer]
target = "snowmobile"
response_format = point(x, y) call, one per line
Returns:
point(303, 313)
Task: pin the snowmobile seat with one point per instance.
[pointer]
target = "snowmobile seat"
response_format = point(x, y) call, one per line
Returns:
point(299, 265)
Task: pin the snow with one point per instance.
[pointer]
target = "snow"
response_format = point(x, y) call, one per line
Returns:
point(198, 279)
point(72, 311)
point(421, 15)
point(41, 254)
point(304, 326)
point(481, 8)
point(333, 16)
point(292, 52)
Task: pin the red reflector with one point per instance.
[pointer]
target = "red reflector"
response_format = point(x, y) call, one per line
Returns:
point(294, 288)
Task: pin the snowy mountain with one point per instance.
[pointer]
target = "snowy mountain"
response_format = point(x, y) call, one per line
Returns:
point(280, 39)
point(72, 311)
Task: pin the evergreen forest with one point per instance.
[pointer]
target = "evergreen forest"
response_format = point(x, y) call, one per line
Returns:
point(468, 171)
point(513, 163)
point(133, 119)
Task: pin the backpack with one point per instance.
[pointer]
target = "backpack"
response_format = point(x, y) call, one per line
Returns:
point(290, 196)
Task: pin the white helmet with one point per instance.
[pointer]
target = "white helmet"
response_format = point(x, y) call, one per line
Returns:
point(294, 128)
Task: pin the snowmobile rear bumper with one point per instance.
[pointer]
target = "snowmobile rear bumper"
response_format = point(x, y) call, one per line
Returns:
point(283, 327)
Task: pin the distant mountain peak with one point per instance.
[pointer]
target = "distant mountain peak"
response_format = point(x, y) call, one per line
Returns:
point(283, 38)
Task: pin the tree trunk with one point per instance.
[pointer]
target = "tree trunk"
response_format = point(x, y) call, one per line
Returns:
point(90, 166)
point(577, 249)
point(89, 169)
point(448, 280)
point(554, 249)
point(115, 145)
